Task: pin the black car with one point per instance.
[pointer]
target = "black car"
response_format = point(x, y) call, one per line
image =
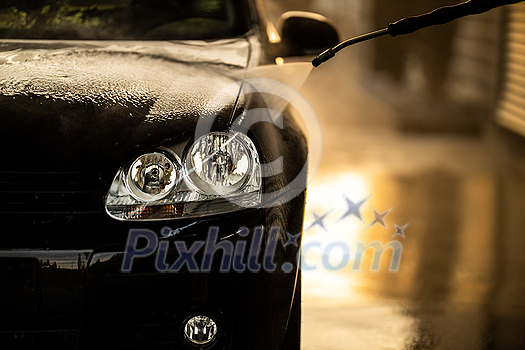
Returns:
point(141, 207)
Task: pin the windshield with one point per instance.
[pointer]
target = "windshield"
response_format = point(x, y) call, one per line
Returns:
point(122, 19)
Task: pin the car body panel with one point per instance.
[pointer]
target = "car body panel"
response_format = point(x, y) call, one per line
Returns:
point(73, 113)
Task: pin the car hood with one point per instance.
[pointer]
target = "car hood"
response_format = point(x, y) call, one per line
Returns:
point(76, 106)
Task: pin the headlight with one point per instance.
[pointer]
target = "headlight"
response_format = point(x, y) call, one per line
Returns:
point(219, 163)
point(219, 173)
point(151, 177)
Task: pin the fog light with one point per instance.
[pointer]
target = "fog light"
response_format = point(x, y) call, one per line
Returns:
point(200, 330)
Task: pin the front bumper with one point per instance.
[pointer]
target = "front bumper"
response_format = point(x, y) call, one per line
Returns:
point(78, 298)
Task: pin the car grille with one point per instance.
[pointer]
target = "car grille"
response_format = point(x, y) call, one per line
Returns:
point(152, 335)
point(32, 330)
point(52, 193)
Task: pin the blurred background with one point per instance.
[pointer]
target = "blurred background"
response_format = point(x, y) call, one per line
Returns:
point(426, 130)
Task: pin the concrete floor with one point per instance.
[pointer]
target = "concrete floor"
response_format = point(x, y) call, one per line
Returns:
point(460, 283)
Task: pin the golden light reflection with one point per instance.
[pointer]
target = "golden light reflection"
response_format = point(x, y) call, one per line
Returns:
point(273, 34)
point(340, 301)
point(322, 279)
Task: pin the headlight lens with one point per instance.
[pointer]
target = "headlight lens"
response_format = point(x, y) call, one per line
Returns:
point(219, 173)
point(151, 177)
point(219, 163)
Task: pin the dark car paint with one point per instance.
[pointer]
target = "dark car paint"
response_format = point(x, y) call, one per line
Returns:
point(66, 128)
point(90, 103)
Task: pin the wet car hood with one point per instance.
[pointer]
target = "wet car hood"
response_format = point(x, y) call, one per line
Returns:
point(76, 106)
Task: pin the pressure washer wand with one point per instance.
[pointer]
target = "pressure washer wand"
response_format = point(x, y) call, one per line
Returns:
point(409, 25)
